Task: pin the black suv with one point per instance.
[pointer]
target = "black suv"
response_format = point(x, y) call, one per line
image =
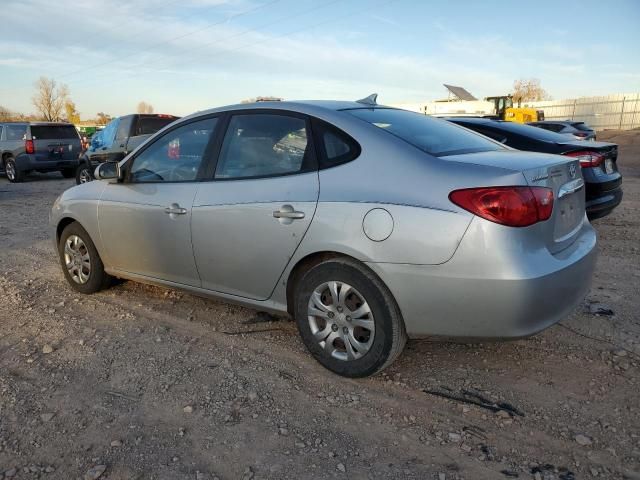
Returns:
point(121, 136)
point(40, 147)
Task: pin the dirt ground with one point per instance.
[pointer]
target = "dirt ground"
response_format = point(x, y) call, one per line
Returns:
point(139, 382)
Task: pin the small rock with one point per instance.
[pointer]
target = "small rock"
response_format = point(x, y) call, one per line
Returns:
point(10, 473)
point(583, 440)
point(600, 309)
point(502, 414)
point(188, 409)
point(341, 468)
point(46, 417)
point(283, 431)
point(442, 476)
point(95, 472)
point(454, 437)
point(620, 353)
point(252, 396)
point(47, 349)
point(116, 443)
point(49, 469)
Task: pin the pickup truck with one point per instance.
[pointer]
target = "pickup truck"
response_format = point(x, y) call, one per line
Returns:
point(121, 136)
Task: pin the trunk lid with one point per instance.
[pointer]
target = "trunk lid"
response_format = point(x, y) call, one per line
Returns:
point(562, 175)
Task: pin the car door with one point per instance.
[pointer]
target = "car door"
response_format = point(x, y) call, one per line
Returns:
point(249, 219)
point(145, 220)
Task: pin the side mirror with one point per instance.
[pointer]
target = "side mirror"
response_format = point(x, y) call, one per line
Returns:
point(108, 171)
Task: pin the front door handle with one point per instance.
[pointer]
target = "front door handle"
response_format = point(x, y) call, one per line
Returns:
point(175, 209)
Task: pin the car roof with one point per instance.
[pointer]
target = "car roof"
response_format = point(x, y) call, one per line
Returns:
point(301, 106)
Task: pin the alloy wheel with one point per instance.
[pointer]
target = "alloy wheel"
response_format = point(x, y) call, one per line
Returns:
point(341, 320)
point(77, 259)
point(85, 175)
point(10, 171)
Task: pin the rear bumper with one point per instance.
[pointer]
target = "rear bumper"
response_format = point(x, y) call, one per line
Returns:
point(26, 162)
point(603, 204)
point(508, 296)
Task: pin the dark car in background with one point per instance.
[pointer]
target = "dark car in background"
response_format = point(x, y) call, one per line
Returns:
point(598, 160)
point(40, 147)
point(121, 136)
point(573, 130)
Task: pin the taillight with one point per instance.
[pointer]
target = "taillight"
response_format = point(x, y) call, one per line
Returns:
point(516, 206)
point(587, 159)
point(28, 146)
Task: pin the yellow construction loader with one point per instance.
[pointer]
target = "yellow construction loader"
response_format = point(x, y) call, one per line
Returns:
point(505, 110)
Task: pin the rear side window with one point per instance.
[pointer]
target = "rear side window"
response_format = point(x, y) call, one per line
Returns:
point(54, 132)
point(582, 126)
point(434, 136)
point(150, 125)
point(1, 129)
point(263, 145)
point(16, 132)
point(124, 128)
point(335, 146)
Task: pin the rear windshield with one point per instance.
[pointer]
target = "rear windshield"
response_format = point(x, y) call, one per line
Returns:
point(434, 136)
point(518, 129)
point(581, 126)
point(54, 132)
point(150, 125)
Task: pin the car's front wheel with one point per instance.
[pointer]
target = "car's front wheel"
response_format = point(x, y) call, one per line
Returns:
point(81, 264)
point(83, 174)
point(347, 318)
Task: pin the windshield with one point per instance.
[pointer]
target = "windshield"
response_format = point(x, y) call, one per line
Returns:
point(54, 132)
point(432, 135)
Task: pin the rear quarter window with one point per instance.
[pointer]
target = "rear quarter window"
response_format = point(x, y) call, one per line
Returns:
point(54, 132)
point(432, 135)
point(15, 132)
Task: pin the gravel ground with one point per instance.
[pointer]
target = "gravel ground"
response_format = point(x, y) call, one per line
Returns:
point(139, 382)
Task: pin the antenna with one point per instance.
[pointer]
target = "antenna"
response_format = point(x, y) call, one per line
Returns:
point(370, 100)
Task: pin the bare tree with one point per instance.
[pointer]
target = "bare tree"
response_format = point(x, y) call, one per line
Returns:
point(102, 118)
point(5, 114)
point(144, 107)
point(528, 90)
point(50, 98)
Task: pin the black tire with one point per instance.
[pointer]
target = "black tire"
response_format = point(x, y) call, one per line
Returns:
point(390, 335)
point(83, 174)
point(98, 279)
point(68, 172)
point(11, 170)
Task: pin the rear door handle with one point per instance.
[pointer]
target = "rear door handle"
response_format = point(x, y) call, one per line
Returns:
point(287, 211)
point(175, 209)
point(293, 215)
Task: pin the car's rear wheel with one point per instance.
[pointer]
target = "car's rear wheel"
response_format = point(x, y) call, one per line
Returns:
point(83, 174)
point(68, 172)
point(81, 264)
point(11, 170)
point(347, 318)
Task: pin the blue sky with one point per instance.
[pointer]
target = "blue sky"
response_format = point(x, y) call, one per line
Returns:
point(187, 55)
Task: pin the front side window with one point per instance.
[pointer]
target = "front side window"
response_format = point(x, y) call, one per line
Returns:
point(16, 132)
point(176, 156)
point(259, 145)
point(432, 135)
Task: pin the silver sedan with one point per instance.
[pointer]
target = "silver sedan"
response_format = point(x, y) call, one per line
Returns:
point(366, 224)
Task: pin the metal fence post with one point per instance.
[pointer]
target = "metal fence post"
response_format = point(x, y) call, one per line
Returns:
point(621, 113)
point(573, 114)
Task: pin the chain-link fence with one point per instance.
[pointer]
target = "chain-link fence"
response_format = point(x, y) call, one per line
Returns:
point(621, 111)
